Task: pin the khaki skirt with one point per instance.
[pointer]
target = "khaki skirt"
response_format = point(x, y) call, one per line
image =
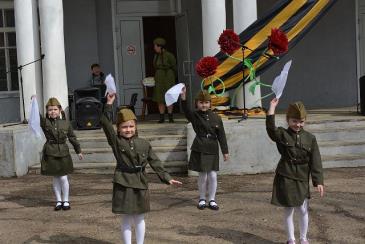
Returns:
point(289, 192)
point(202, 162)
point(56, 166)
point(130, 200)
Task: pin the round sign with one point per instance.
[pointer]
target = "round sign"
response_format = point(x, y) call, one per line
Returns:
point(131, 50)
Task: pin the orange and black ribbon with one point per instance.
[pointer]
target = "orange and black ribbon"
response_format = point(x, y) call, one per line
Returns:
point(294, 17)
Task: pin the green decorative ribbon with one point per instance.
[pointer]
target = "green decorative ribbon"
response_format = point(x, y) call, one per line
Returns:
point(211, 88)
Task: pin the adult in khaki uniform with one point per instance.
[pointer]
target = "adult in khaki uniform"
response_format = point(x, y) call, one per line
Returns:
point(300, 158)
point(130, 183)
point(164, 63)
point(204, 156)
point(56, 159)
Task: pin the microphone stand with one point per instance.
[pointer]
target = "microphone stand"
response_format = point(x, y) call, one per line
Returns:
point(20, 68)
point(245, 114)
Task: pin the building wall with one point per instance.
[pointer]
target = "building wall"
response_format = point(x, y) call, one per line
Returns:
point(193, 10)
point(323, 72)
point(88, 39)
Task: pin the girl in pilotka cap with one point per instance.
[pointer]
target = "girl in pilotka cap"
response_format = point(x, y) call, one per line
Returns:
point(204, 157)
point(300, 158)
point(56, 159)
point(130, 185)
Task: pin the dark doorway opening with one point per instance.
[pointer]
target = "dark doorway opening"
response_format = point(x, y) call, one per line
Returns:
point(159, 26)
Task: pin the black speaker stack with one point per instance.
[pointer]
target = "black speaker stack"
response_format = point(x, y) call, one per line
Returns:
point(88, 108)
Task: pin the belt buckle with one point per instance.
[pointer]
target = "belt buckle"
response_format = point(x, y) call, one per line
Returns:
point(208, 135)
point(140, 168)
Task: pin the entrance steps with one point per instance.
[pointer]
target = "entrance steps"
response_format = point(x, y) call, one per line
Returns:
point(167, 140)
point(341, 142)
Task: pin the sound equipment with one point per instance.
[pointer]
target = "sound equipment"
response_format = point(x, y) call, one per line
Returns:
point(88, 108)
point(87, 113)
point(362, 95)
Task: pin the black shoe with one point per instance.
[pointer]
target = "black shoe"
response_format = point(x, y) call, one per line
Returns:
point(58, 206)
point(213, 207)
point(66, 207)
point(162, 118)
point(201, 206)
point(171, 118)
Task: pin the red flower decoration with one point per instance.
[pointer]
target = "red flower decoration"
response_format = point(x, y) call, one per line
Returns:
point(206, 66)
point(229, 41)
point(278, 42)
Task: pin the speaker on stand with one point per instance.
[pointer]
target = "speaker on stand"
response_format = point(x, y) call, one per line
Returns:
point(88, 108)
point(362, 95)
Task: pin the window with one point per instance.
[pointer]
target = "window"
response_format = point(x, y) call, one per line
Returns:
point(8, 58)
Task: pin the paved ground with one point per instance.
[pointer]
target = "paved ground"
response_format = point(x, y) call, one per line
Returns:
point(27, 216)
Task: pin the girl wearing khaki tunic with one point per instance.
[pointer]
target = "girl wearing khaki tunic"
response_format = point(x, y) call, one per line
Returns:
point(204, 157)
point(56, 160)
point(130, 184)
point(300, 158)
point(164, 63)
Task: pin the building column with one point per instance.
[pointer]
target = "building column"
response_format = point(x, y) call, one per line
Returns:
point(244, 14)
point(214, 23)
point(52, 39)
point(28, 50)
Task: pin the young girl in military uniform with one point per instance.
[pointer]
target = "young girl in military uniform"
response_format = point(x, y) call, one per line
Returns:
point(300, 158)
point(204, 157)
point(56, 159)
point(130, 184)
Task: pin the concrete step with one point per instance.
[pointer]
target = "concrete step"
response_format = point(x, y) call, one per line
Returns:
point(102, 155)
point(342, 148)
point(343, 160)
point(109, 167)
point(158, 140)
point(165, 129)
point(344, 134)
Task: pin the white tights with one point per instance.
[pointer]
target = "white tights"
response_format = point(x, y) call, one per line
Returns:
point(303, 221)
point(128, 220)
point(210, 178)
point(61, 185)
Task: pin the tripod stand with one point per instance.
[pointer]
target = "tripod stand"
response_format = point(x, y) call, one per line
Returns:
point(20, 68)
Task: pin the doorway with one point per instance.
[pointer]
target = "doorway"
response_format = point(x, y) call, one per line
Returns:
point(153, 27)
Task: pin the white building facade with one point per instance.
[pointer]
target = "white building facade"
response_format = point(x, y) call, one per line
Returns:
point(118, 34)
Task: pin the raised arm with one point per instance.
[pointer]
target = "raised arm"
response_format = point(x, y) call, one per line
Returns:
point(271, 128)
point(106, 120)
point(188, 113)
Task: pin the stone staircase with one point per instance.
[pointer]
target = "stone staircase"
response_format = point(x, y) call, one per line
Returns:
point(168, 142)
point(341, 142)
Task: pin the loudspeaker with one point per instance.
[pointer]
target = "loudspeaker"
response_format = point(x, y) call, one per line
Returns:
point(362, 95)
point(87, 92)
point(87, 113)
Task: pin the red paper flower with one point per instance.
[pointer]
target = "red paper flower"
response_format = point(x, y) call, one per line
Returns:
point(206, 66)
point(229, 41)
point(278, 41)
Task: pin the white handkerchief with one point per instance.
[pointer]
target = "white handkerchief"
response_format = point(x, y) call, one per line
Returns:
point(172, 95)
point(280, 81)
point(34, 120)
point(110, 85)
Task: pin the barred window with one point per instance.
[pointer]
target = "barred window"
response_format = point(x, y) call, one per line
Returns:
point(8, 58)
